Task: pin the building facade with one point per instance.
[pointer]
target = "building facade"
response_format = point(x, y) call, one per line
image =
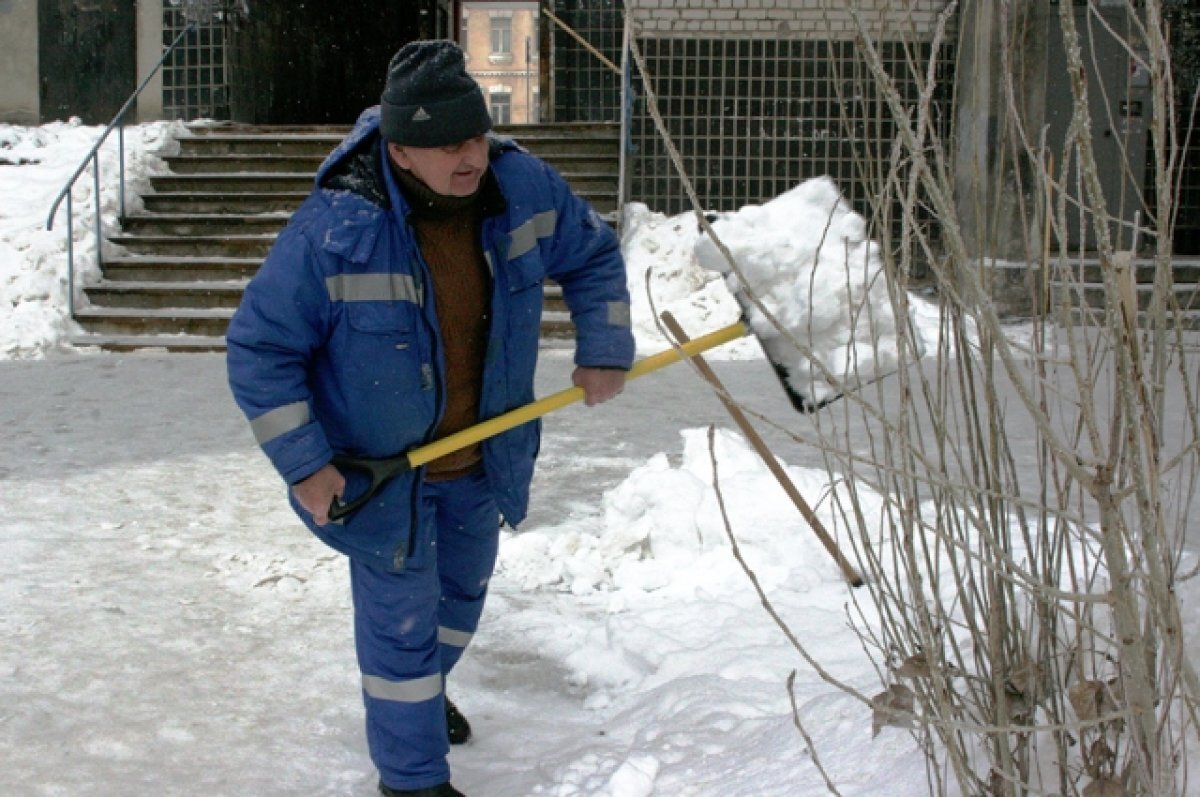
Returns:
point(257, 61)
point(501, 40)
point(756, 94)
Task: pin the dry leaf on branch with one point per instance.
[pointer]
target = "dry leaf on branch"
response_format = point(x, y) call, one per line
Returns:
point(893, 707)
point(1028, 679)
point(915, 666)
point(1086, 697)
point(1098, 758)
point(1092, 700)
point(1104, 787)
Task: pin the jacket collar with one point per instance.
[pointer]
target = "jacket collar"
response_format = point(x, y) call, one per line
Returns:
point(360, 186)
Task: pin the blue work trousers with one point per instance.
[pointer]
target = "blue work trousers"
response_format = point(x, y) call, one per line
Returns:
point(411, 628)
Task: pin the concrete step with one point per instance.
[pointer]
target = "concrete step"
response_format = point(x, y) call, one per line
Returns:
point(165, 268)
point(315, 144)
point(603, 196)
point(224, 202)
point(258, 163)
point(191, 292)
point(1093, 295)
point(191, 224)
point(196, 329)
point(233, 183)
point(557, 324)
point(320, 140)
point(160, 295)
point(605, 203)
point(599, 186)
point(241, 246)
point(1189, 319)
point(552, 298)
point(188, 344)
point(121, 321)
point(207, 226)
point(176, 343)
point(569, 159)
point(1184, 270)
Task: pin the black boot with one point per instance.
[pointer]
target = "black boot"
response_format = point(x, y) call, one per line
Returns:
point(444, 790)
point(457, 727)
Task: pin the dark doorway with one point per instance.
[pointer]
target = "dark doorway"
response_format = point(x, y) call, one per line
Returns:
point(317, 62)
point(87, 55)
point(1119, 107)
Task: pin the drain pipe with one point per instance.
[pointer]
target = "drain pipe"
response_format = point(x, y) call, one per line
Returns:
point(626, 114)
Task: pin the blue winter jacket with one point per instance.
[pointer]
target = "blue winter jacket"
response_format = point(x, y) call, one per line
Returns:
point(336, 345)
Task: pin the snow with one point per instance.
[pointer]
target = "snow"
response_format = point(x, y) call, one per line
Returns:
point(820, 281)
point(171, 629)
point(35, 165)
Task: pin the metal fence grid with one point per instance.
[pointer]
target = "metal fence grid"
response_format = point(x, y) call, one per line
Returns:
point(752, 118)
point(1187, 229)
point(195, 77)
point(1186, 237)
point(585, 89)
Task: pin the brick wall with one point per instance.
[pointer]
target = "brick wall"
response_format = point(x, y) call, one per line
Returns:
point(786, 19)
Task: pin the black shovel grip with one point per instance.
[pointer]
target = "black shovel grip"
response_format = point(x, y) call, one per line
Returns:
point(379, 471)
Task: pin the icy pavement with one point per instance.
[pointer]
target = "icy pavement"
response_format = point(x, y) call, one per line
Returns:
point(170, 628)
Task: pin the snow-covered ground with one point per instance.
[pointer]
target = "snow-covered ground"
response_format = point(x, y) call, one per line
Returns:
point(35, 164)
point(169, 628)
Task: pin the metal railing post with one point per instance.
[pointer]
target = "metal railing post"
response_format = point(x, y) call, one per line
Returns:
point(99, 214)
point(121, 164)
point(93, 157)
point(70, 258)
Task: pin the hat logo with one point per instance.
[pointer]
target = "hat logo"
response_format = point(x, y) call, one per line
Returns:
point(420, 116)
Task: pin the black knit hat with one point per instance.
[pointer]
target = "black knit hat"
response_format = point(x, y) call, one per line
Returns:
point(429, 100)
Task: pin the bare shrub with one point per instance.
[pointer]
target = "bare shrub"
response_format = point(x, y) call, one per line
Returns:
point(1021, 589)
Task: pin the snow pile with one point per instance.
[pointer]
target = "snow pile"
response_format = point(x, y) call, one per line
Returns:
point(662, 529)
point(664, 275)
point(35, 164)
point(807, 257)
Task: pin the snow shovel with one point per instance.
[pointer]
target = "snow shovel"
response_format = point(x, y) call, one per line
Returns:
point(380, 471)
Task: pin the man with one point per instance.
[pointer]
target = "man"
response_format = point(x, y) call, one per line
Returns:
point(401, 304)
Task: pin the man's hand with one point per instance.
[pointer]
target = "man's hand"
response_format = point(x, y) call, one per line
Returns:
point(316, 493)
point(599, 384)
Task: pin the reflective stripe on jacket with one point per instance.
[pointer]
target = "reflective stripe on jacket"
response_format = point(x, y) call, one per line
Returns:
point(336, 346)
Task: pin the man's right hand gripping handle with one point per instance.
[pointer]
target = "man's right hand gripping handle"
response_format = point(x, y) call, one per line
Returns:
point(316, 493)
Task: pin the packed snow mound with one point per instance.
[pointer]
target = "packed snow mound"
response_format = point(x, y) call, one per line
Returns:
point(807, 257)
point(663, 528)
point(663, 276)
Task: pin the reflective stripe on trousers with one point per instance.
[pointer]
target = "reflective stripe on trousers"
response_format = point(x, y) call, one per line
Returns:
point(411, 629)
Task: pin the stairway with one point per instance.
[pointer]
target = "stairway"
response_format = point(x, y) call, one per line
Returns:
point(1085, 293)
point(208, 223)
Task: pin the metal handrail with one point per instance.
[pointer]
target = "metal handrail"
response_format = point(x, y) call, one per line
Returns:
point(94, 158)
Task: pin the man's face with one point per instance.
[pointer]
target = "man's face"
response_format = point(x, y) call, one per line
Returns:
point(453, 170)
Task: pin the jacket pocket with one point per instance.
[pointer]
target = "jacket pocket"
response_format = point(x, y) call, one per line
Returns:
point(380, 347)
point(526, 292)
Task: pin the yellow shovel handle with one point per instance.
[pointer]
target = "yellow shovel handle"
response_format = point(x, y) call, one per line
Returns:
point(502, 423)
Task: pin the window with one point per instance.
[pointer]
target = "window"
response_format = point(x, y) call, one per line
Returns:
point(501, 107)
point(531, 41)
point(502, 38)
point(193, 77)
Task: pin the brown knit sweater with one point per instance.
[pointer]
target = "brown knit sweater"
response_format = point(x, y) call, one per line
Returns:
point(448, 232)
